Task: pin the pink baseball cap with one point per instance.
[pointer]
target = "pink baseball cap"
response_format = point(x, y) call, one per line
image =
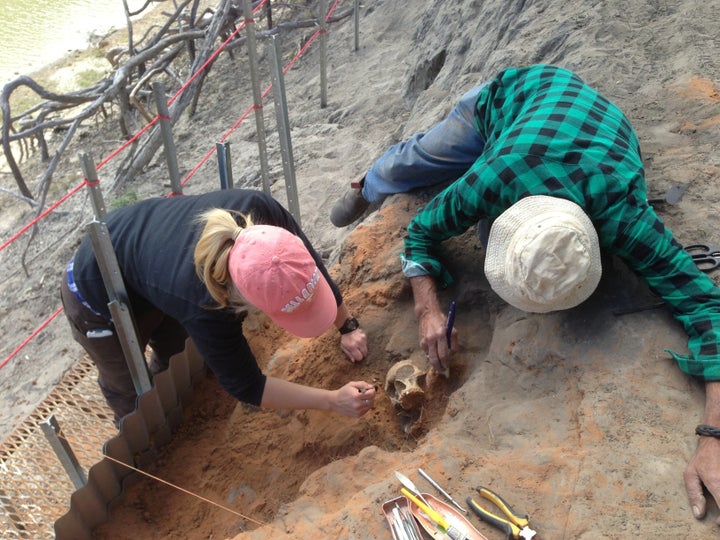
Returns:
point(273, 270)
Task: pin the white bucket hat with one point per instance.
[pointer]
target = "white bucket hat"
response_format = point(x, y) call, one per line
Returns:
point(543, 255)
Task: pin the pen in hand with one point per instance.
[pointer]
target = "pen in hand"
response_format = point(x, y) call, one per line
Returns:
point(450, 323)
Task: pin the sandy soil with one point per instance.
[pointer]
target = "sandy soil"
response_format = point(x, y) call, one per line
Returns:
point(580, 419)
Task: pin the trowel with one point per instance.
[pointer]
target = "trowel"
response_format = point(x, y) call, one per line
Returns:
point(673, 195)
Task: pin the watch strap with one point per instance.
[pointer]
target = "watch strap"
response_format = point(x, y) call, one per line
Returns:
point(351, 324)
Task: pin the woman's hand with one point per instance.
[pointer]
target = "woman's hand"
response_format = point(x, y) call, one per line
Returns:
point(354, 345)
point(354, 399)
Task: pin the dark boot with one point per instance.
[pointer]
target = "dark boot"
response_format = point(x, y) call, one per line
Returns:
point(350, 206)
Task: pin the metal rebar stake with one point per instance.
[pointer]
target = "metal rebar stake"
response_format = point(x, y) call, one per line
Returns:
point(62, 450)
point(322, 7)
point(356, 19)
point(119, 305)
point(222, 149)
point(257, 95)
point(281, 112)
point(127, 334)
point(90, 173)
point(158, 90)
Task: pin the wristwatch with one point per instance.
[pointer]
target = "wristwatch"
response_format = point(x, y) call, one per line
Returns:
point(351, 324)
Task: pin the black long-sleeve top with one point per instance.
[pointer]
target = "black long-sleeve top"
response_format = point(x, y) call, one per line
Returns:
point(154, 241)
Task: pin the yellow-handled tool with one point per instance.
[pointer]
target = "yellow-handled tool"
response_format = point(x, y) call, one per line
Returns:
point(433, 514)
point(515, 525)
point(452, 532)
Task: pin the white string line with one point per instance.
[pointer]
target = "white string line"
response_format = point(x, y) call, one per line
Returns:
point(180, 489)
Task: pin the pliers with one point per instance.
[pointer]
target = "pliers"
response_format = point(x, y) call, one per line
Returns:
point(515, 526)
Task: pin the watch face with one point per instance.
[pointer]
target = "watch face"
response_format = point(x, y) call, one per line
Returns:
point(350, 325)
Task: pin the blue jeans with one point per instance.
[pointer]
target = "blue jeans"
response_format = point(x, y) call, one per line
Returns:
point(444, 153)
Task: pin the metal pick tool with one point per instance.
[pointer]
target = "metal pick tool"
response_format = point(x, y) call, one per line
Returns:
point(441, 490)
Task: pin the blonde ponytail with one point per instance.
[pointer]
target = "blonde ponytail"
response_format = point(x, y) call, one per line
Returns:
point(220, 230)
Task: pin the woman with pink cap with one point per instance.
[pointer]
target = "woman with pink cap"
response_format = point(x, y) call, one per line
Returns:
point(192, 266)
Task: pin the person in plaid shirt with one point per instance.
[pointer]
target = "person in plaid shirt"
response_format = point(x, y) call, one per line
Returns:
point(556, 169)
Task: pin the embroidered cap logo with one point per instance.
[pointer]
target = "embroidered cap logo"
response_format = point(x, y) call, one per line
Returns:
point(304, 295)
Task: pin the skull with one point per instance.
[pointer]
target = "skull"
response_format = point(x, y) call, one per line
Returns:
point(405, 384)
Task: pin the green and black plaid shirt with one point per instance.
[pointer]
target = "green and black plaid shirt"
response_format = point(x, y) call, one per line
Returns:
point(548, 133)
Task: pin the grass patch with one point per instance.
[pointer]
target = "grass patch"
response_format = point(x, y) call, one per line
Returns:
point(127, 198)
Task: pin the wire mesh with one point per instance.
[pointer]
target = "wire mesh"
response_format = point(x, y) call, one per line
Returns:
point(35, 489)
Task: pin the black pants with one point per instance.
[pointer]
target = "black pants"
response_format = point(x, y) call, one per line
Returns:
point(97, 336)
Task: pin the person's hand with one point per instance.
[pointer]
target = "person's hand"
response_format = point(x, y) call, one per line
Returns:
point(703, 469)
point(433, 339)
point(354, 399)
point(354, 345)
point(432, 324)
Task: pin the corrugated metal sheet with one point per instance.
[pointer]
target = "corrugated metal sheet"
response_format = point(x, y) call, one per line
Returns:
point(35, 490)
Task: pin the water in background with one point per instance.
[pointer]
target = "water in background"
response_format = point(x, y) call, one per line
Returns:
point(36, 33)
